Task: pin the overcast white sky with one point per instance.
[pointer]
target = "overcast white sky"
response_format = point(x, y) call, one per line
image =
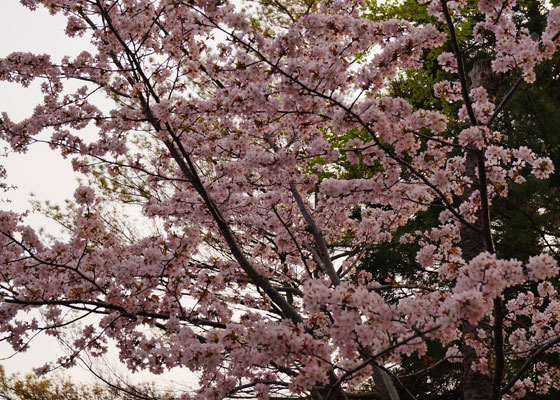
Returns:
point(40, 171)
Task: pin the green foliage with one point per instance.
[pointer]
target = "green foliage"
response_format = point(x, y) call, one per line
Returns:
point(31, 387)
point(271, 15)
point(14, 387)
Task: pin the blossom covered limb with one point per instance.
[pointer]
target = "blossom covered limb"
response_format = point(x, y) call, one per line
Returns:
point(360, 122)
point(459, 60)
point(528, 364)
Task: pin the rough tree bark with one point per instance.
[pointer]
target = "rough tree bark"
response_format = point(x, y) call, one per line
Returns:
point(476, 386)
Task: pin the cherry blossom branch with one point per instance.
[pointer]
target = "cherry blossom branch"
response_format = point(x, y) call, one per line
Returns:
point(294, 240)
point(441, 141)
point(357, 118)
point(312, 226)
point(317, 235)
point(510, 93)
point(102, 306)
point(254, 383)
point(25, 345)
point(102, 160)
point(183, 160)
point(53, 264)
point(460, 66)
point(527, 364)
point(188, 169)
point(372, 358)
point(404, 286)
point(129, 390)
point(131, 55)
point(504, 101)
point(502, 8)
point(423, 371)
point(343, 272)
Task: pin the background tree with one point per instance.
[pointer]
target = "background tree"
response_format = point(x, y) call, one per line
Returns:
point(30, 387)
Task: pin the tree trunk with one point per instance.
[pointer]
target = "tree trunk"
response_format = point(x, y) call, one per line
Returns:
point(476, 386)
point(384, 386)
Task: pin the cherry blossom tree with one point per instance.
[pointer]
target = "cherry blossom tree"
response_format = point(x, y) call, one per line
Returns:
point(223, 130)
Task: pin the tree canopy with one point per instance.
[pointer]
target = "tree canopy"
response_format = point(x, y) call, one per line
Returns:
point(31, 387)
point(344, 197)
